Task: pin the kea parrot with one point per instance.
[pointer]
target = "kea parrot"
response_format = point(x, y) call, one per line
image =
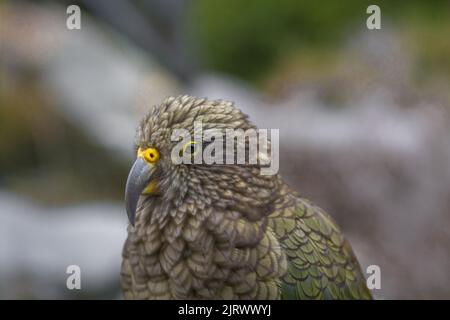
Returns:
point(221, 231)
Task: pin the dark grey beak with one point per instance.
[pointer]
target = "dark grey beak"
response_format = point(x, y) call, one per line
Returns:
point(138, 178)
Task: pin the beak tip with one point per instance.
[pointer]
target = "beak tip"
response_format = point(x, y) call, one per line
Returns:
point(131, 221)
point(131, 213)
point(137, 180)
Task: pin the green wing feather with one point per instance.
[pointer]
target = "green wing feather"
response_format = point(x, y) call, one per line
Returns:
point(321, 263)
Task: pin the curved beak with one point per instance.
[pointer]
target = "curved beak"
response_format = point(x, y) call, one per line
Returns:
point(138, 179)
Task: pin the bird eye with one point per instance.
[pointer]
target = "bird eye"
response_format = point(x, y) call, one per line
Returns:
point(150, 155)
point(190, 148)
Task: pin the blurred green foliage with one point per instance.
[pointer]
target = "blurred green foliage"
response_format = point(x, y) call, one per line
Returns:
point(247, 38)
point(45, 156)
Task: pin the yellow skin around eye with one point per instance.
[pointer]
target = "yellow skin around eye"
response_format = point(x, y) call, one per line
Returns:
point(188, 144)
point(150, 155)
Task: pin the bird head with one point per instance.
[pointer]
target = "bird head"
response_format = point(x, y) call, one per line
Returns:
point(166, 171)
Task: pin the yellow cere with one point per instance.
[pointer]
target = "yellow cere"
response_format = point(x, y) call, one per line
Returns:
point(151, 188)
point(150, 155)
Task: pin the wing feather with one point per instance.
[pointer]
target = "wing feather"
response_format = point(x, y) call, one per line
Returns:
point(321, 263)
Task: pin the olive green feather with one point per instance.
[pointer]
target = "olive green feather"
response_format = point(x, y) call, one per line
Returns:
point(321, 264)
point(225, 231)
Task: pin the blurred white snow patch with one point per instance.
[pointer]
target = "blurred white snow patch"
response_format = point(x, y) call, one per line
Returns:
point(100, 83)
point(306, 122)
point(37, 244)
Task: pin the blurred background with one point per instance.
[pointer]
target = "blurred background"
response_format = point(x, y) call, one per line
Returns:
point(363, 118)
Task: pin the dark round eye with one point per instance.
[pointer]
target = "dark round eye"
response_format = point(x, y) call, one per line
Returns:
point(151, 154)
point(190, 148)
point(193, 148)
